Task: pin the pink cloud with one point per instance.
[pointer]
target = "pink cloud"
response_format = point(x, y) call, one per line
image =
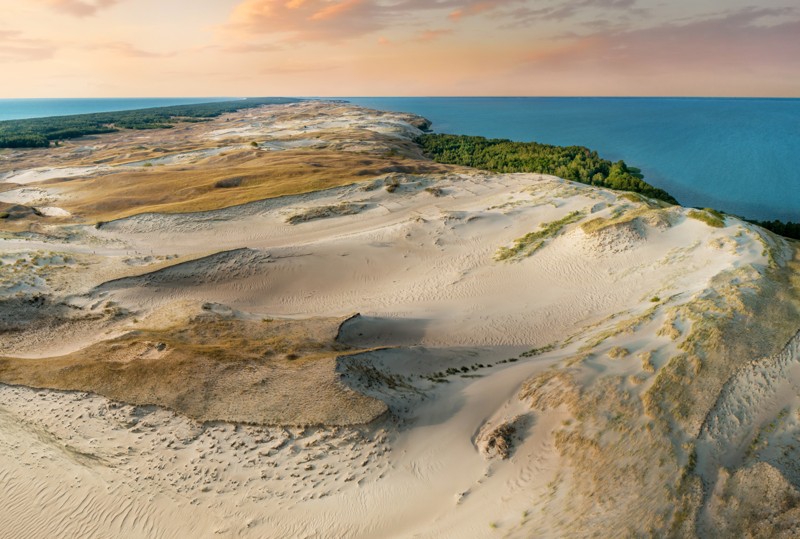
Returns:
point(307, 20)
point(16, 48)
point(341, 20)
point(733, 41)
point(433, 35)
point(335, 10)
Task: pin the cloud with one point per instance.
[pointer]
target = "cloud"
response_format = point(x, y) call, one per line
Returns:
point(307, 20)
point(246, 48)
point(738, 40)
point(16, 48)
point(433, 35)
point(298, 68)
point(478, 7)
point(128, 50)
point(80, 8)
point(342, 20)
point(558, 11)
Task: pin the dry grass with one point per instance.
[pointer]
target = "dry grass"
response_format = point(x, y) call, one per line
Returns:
point(246, 176)
point(239, 175)
point(618, 352)
point(278, 372)
point(656, 216)
point(647, 361)
point(322, 212)
point(550, 389)
point(533, 241)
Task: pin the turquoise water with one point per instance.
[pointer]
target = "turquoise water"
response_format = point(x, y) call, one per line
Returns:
point(15, 109)
point(741, 156)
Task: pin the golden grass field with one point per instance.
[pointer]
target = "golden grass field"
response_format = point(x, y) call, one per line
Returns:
point(212, 368)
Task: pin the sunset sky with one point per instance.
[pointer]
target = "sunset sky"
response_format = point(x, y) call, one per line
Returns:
point(96, 48)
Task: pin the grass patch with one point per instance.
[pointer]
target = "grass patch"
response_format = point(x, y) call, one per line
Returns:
point(533, 241)
point(533, 352)
point(208, 186)
point(212, 368)
point(710, 217)
point(618, 352)
point(322, 212)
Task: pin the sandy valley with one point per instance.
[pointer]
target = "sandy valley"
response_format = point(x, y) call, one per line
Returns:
point(287, 322)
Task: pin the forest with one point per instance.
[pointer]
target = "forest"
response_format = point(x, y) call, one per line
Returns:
point(785, 229)
point(575, 163)
point(41, 132)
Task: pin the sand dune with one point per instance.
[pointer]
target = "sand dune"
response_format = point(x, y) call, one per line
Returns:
point(608, 381)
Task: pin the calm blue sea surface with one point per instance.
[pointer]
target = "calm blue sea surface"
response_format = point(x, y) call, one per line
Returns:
point(15, 109)
point(741, 156)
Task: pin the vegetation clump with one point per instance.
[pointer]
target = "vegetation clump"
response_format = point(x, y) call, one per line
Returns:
point(618, 352)
point(533, 241)
point(712, 218)
point(533, 352)
point(575, 163)
point(228, 183)
point(345, 208)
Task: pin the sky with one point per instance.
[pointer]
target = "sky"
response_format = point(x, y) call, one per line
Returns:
point(131, 48)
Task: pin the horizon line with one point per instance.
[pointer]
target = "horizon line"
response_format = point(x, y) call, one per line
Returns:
point(412, 97)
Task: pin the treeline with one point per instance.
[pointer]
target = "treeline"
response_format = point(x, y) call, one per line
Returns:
point(787, 230)
point(575, 163)
point(40, 132)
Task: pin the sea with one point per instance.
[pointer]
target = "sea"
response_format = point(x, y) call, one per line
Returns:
point(741, 156)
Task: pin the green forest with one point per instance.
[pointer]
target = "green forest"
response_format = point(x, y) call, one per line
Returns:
point(575, 163)
point(40, 132)
point(785, 229)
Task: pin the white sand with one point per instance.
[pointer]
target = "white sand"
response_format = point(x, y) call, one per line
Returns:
point(42, 174)
point(420, 270)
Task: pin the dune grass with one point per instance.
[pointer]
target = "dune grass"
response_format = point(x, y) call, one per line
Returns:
point(533, 241)
point(712, 218)
point(208, 186)
point(212, 368)
point(323, 212)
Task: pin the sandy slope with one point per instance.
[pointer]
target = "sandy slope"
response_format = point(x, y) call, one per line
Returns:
point(419, 266)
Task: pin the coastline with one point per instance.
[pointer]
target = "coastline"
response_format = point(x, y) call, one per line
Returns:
point(787, 228)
